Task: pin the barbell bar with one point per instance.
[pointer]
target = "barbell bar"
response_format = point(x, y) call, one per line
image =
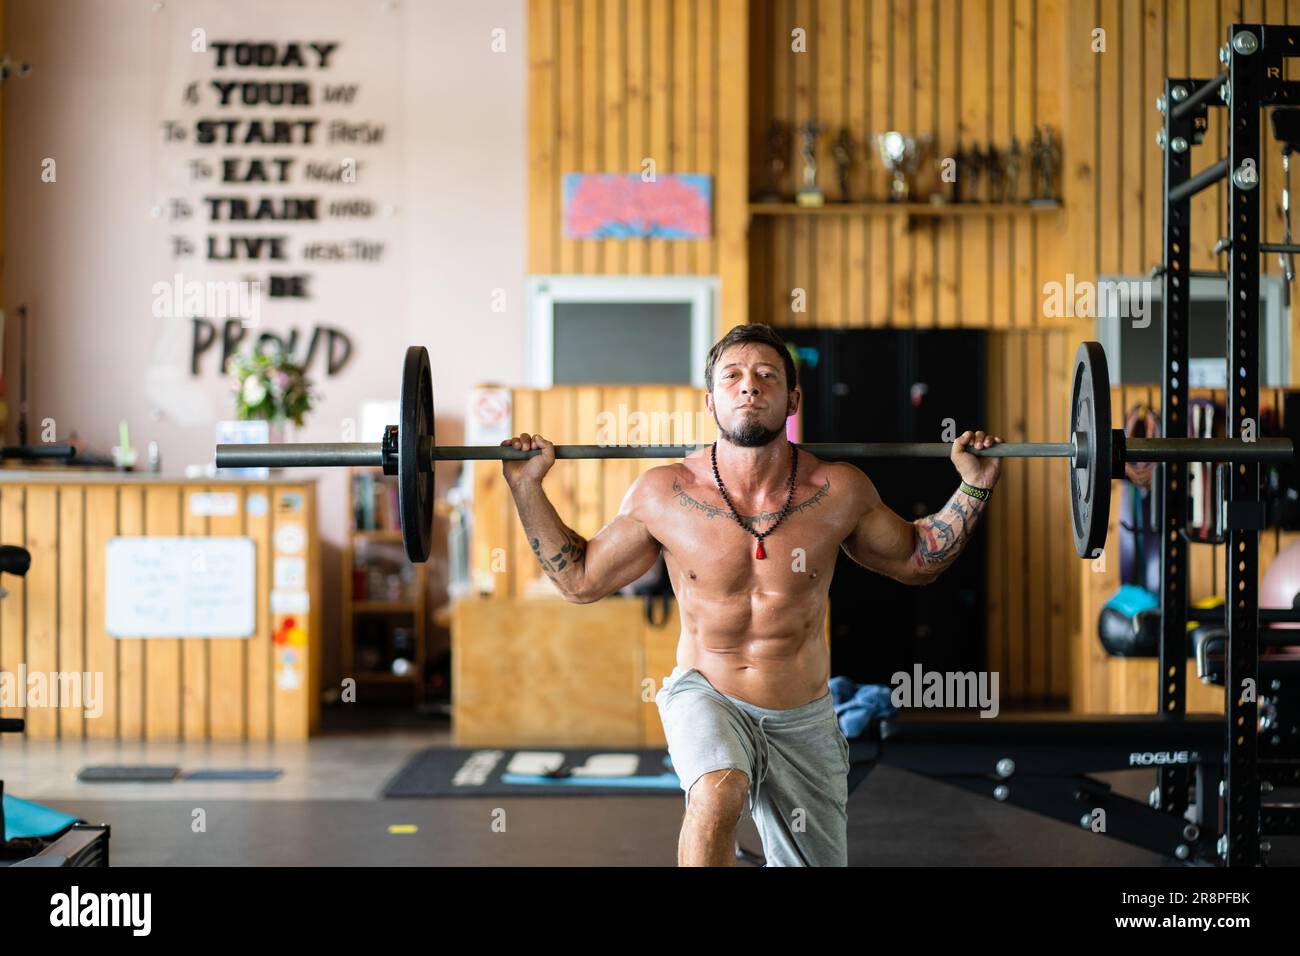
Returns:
point(1097, 453)
point(370, 454)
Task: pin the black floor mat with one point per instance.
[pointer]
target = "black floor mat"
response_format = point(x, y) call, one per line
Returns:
point(487, 771)
point(240, 774)
point(128, 774)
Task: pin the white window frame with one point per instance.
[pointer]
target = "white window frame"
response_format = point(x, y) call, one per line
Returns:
point(700, 292)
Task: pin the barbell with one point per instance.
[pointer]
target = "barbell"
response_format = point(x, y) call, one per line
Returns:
point(1097, 453)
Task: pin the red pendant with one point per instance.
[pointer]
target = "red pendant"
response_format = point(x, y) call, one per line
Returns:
point(759, 553)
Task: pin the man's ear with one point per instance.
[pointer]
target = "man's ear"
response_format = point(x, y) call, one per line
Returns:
point(708, 402)
point(793, 400)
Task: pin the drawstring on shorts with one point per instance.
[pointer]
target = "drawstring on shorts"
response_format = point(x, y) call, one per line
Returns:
point(765, 764)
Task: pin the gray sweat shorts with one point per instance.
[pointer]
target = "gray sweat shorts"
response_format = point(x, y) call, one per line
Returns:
point(797, 762)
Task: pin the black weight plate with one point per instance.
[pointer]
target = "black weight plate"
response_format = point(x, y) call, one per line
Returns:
point(414, 461)
point(1090, 420)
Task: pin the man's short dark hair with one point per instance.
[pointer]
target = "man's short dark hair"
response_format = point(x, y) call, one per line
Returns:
point(755, 333)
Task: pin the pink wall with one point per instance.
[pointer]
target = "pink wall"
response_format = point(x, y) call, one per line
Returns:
point(83, 254)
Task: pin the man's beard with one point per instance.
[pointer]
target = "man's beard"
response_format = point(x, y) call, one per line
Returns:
point(750, 434)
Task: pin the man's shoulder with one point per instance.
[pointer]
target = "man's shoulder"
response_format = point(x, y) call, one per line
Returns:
point(842, 473)
point(659, 483)
point(843, 479)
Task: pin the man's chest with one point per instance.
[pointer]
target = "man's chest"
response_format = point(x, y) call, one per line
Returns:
point(702, 534)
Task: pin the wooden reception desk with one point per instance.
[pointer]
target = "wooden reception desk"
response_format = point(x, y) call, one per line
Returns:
point(53, 621)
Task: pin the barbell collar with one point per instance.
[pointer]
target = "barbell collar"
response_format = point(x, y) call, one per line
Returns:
point(1079, 449)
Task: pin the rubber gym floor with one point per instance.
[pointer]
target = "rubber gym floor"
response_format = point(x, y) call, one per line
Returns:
point(327, 810)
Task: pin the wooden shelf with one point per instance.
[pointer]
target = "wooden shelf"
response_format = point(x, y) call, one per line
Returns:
point(384, 607)
point(915, 210)
point(367, 616)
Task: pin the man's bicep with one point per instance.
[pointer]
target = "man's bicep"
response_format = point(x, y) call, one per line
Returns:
point(617, 555)
point(624, 549)
point(881, 541)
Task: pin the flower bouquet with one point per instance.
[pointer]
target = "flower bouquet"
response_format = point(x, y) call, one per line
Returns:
point(268, 384)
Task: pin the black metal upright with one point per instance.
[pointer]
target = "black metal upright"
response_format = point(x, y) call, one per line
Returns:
point(1172, 782)
point(1254, 57)
point(1246, 64)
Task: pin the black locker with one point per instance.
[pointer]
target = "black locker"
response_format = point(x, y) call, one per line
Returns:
point(898, 386)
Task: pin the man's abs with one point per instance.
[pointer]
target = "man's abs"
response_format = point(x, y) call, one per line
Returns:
point(771, 655)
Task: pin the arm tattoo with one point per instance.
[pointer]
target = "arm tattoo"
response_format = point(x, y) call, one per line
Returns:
point(943, 535)
point(568, 554)
point(713, 511)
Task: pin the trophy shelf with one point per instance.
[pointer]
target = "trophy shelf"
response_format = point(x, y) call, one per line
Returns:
point(913, 210)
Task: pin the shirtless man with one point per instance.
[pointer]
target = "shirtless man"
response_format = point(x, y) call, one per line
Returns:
point(750, 545)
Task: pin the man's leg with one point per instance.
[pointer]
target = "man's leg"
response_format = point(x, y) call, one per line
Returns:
point(712, 746)
point(714, 805)
point(801, 812)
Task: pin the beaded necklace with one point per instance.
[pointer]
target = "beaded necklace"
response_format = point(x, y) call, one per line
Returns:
point(759, 552)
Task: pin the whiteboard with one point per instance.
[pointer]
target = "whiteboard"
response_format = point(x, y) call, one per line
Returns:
point(180, 587)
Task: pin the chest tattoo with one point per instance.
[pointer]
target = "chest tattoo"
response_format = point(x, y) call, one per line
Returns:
point(713, 511)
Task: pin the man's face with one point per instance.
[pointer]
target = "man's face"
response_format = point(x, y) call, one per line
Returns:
point(750, 399)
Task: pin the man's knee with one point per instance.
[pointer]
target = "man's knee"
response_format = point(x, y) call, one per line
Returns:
point(718, 797)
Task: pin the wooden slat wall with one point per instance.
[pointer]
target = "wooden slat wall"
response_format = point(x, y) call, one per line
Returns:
point(977, 71)
point(72, 601)
point(613, 83)
point(227, 661)
point(42, 599)
point(1113, 183)
point(970, 71)
point(156, 688)
point(163, 656)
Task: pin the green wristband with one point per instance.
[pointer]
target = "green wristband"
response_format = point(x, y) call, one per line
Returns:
point(981, 493)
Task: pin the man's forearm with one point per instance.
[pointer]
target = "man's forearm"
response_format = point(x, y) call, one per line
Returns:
point(942, 536)
point(558, 548)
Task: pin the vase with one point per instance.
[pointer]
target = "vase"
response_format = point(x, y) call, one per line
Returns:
point(280, 432)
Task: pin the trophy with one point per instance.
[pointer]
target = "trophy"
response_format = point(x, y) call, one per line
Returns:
point(959, 159)
point(996, 173)
point(778, 151)
point(842, 150)
point(810, 195)
point(1014, 159)
point(1045, 162)
point(971, 171)
point(900, 154)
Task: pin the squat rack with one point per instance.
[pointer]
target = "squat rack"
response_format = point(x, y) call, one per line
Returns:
point(1253, 78)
